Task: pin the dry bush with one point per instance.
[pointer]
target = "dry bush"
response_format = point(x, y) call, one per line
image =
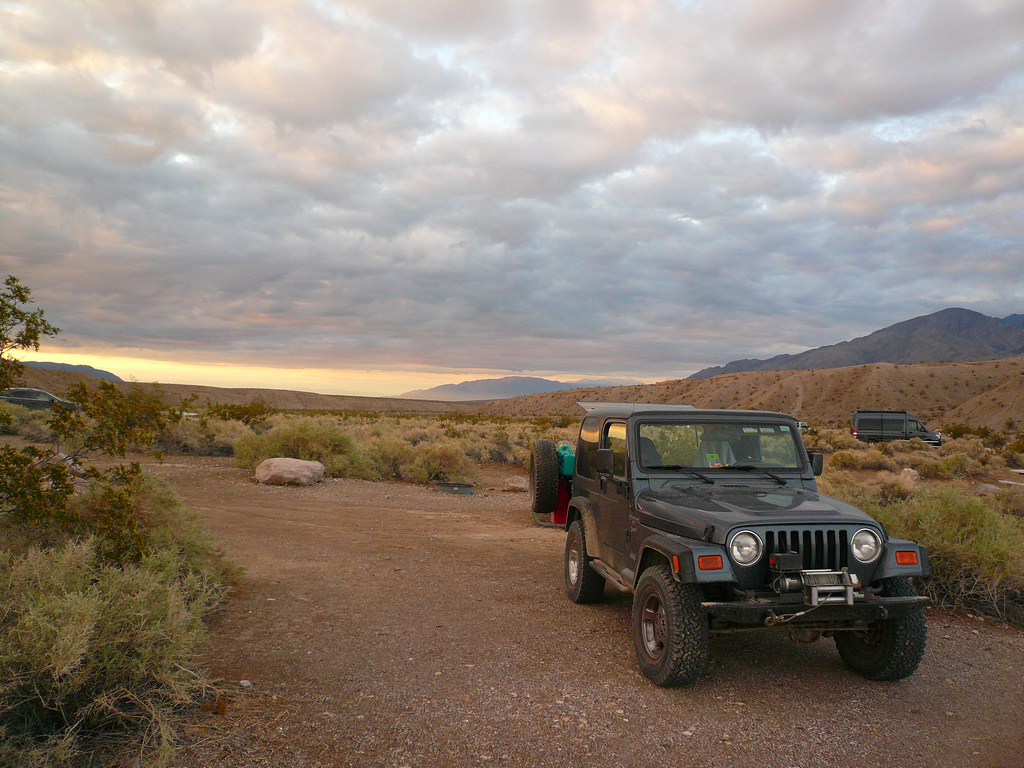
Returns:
point(21, 421)
point(865, 460)
point(201, 437)
point(976, 551)
point(875, 460)
point(400, 446)
point(955, 465)
point(1010, 501)
point(319, 438)
point(98, 659)
point(831, 440)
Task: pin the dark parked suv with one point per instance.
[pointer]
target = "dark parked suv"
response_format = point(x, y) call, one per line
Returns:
point(33, 399)
point(712, 519)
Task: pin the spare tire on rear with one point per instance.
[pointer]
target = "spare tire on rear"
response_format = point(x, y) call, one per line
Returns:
point(543, 477)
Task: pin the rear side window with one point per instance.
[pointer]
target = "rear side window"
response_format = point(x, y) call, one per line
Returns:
point(615, 438)
point(586, 452)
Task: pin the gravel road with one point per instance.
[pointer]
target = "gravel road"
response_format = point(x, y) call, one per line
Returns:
point(391, 625)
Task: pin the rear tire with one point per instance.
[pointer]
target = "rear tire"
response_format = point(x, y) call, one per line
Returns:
point(890, 649)
point(582, 583)
point(670, 630)
point(543, 477)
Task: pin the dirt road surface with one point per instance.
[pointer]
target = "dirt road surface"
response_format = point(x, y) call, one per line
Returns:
point(391, 625)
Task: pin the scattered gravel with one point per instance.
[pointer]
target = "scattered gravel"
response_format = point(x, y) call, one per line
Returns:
point(393, 625)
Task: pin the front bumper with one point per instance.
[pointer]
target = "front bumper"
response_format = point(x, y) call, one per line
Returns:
point(782, 614)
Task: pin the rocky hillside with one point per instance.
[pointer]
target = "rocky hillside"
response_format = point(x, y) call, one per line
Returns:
point(952, 335)
point(983, 393)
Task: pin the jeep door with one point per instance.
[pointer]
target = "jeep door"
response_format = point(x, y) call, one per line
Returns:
point(612, 497)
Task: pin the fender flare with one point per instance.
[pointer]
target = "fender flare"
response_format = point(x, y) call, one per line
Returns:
point(685, 552)
point(582, 508)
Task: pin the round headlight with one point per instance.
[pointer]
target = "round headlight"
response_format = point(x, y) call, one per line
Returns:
point(866, 545)
point(745, 548)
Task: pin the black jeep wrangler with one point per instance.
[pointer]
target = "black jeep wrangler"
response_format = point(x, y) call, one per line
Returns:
point(712, 519)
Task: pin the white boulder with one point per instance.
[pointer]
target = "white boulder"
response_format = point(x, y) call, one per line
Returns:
point(910, 478)
point(516, 485)
point(283, 471)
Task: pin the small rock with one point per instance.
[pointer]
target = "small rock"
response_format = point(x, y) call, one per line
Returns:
point(516, 485)
point(910, 477)
point(245, 683)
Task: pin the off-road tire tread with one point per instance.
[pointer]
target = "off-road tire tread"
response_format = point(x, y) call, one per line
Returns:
point(589, 587)
point(543, 477)
point(906, 640)
point(687, 648)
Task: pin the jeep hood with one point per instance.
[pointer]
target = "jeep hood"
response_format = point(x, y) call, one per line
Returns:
point(688, 509)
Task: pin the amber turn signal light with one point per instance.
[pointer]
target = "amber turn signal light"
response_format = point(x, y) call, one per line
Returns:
point(906, 558)
point(710, 562)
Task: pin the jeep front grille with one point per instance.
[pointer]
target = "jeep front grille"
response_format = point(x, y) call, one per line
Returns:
point(821, 548)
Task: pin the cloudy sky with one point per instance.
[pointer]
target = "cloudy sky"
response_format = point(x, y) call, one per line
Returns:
point(367, 196)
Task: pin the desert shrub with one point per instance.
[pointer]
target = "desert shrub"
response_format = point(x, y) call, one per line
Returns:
point(440, 462)
point(949, 467)
point(97, 658)
point(976, 551)
point(32, 425)
point(253, 414)
point(310, 439)
point(866, 460)
point(103, 583)
point(201, 437)
point(413, 448)
point(973, 448)
point(1010, 501)
point(1013, 452)
point(391, 458)
point(875, 460)
point(831, 440)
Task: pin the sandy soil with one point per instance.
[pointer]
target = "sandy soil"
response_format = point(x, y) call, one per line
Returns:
point(391, 625)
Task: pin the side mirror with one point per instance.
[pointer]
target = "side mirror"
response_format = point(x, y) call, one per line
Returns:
point(605, 460)
point(817, 462)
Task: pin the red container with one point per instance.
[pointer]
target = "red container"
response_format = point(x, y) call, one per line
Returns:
point(562, 506)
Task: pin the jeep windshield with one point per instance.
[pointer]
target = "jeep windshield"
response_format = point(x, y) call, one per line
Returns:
point(697, 445)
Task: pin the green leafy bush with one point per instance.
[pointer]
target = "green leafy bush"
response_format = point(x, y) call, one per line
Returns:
point(311, 439)
point(976, 551)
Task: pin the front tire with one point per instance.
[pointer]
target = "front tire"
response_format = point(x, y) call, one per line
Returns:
point(582, 583)
point(670, 631)
point(890, 649)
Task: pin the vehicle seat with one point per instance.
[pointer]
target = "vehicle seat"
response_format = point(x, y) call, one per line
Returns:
point(714, 453)
point(649, 455)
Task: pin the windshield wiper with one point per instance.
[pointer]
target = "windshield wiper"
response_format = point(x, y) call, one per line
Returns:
point(681, 468)
point(752, 468)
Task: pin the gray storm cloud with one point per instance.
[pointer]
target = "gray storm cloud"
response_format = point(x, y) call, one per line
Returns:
point(638, 188)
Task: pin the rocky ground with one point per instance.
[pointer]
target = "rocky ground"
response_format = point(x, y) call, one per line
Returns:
point(391, 625)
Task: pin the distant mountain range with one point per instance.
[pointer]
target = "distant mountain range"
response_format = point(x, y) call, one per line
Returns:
point(950, 335)
point(77, 368)
point(507, 386)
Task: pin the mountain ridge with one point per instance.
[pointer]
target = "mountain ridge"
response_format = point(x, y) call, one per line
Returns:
point(505, 387)
point(949, 335)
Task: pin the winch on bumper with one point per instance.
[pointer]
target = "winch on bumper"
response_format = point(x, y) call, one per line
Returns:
point(821, 600)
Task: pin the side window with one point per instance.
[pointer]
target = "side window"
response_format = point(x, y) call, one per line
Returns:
point(586, 452)
point(615, 438)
